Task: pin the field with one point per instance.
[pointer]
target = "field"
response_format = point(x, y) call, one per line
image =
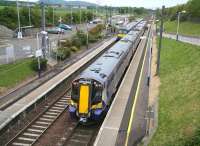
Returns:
point(1, 7)
point(11, 74)
point(179, 99)
point(186, 28)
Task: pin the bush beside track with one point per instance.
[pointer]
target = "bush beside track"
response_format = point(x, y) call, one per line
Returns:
point(179, 102)
point(78, 41)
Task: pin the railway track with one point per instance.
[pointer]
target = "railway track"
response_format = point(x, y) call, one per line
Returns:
point(82, 135)
point(36, 128)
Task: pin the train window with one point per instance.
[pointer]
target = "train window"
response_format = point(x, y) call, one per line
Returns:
point(96, 94)
point(108, 56)
point(95, 69)
point(102, 75)
point(114, 52)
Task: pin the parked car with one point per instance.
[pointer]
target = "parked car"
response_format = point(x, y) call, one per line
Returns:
point(65, 27)
point(96, 21)
point(55, 30)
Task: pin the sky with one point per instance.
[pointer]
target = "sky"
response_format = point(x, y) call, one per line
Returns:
point(136, 3)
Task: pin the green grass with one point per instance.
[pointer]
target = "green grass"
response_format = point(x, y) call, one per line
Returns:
point(179, 99)
point(186, 28)
point(1, 7)
point(11, 74)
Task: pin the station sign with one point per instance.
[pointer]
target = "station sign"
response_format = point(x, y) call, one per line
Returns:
point(38, 53)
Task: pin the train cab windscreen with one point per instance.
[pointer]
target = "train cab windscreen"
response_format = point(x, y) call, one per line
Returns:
point(97, 93)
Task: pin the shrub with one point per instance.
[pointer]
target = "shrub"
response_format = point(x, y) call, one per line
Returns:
point(92, 39)
point(82, 37)
point(131, 18)
point(95, 33)
point(63, 53)
point(74, 49)
point(97, 29)
point(43, 64)
point(76, 42)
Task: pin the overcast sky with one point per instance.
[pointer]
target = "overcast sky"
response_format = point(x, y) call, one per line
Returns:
point(136, 3)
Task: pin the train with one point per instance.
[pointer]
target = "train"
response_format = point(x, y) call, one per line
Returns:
point(124, 30)
point(94, 88)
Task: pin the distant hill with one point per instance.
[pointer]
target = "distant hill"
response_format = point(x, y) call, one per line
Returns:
point(81, 3)
point(63, 2)
point(52, 2)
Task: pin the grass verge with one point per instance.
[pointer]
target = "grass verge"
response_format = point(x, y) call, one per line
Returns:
point(179, 99)
point(186, 28)
point(11, 74)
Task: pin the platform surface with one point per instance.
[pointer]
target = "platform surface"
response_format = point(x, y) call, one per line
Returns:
point(108, 133)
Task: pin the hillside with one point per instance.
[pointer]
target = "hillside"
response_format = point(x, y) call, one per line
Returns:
point(63, 2)
point(179, 102)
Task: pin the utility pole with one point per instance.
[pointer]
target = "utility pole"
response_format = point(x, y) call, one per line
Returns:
point(29, 12)
point(106, 15)
point(38, 55)
point(87, 36)
point(178, 26)
point(53, 15)
point(71, 14)
point(110, 15)
point(19, 34)
point(80, 14)
point(160, 42)
point(44, 33)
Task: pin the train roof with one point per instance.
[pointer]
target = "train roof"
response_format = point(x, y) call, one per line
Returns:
point(102, 68)
point(131, 25)
point(131, 36)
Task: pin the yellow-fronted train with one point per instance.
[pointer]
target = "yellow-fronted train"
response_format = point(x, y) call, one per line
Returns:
point(93, 89)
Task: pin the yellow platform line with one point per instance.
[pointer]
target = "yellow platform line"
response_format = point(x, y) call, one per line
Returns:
point(136, 97)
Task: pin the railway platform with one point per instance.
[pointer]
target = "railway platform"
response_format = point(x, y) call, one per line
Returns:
point(126, 122)
point(22, 105)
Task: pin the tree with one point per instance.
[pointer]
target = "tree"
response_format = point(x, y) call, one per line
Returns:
point(194, 8)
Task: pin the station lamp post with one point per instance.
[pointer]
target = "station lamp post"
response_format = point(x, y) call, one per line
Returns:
point(179, 15)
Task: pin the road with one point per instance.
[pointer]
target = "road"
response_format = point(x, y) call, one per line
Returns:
point(186, 39)
point(23, 48)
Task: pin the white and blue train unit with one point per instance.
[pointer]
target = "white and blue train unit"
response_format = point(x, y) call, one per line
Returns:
point(93, 89)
